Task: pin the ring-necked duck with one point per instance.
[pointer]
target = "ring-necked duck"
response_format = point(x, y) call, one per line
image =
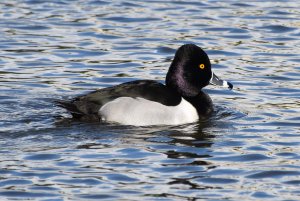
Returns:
point(148, 102)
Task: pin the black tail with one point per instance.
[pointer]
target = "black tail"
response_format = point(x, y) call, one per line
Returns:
point(71, 107)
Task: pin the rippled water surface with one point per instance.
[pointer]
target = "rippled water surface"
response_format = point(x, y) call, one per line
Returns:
point(249, 149)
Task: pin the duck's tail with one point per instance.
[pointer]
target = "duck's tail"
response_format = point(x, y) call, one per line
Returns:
point(70, 106)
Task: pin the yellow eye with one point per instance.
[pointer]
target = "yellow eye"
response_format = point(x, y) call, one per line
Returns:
point(202, 66)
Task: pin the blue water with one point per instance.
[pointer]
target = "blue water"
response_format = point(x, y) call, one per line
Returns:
point(249, 149)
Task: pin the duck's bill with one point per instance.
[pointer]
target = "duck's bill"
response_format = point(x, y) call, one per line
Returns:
point(217, 81)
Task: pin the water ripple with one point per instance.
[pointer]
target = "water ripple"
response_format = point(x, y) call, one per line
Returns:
point(59, 49)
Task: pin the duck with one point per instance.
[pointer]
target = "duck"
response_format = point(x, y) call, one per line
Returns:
point(180, 100)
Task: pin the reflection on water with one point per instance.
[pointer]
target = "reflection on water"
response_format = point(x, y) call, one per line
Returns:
point(249, 149)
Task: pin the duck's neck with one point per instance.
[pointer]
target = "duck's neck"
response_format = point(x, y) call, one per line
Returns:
point(202, 102)
point(175, 81)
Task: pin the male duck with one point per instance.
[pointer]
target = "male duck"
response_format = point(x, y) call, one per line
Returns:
point(148, 102)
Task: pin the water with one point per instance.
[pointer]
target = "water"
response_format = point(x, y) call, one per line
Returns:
point(249, 149)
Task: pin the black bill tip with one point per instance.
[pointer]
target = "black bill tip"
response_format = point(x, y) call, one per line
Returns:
point(230, 86)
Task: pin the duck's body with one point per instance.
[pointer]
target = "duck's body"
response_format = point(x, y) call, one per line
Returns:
point(141, 102)
point(148, 102)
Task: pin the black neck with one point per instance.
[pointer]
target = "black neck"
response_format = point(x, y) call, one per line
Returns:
point(202, 102)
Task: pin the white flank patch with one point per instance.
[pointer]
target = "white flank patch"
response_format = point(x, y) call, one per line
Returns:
point(142, 112)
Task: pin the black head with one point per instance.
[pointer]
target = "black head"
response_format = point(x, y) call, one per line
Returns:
point(190, 71)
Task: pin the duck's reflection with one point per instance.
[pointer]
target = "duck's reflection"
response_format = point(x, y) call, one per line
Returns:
point(178, 153)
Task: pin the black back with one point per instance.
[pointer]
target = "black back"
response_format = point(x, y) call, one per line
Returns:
point(148, 89)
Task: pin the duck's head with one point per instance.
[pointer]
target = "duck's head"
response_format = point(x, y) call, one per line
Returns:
point(190, 71)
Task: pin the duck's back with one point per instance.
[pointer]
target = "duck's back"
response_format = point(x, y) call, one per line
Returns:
point(88, 105)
